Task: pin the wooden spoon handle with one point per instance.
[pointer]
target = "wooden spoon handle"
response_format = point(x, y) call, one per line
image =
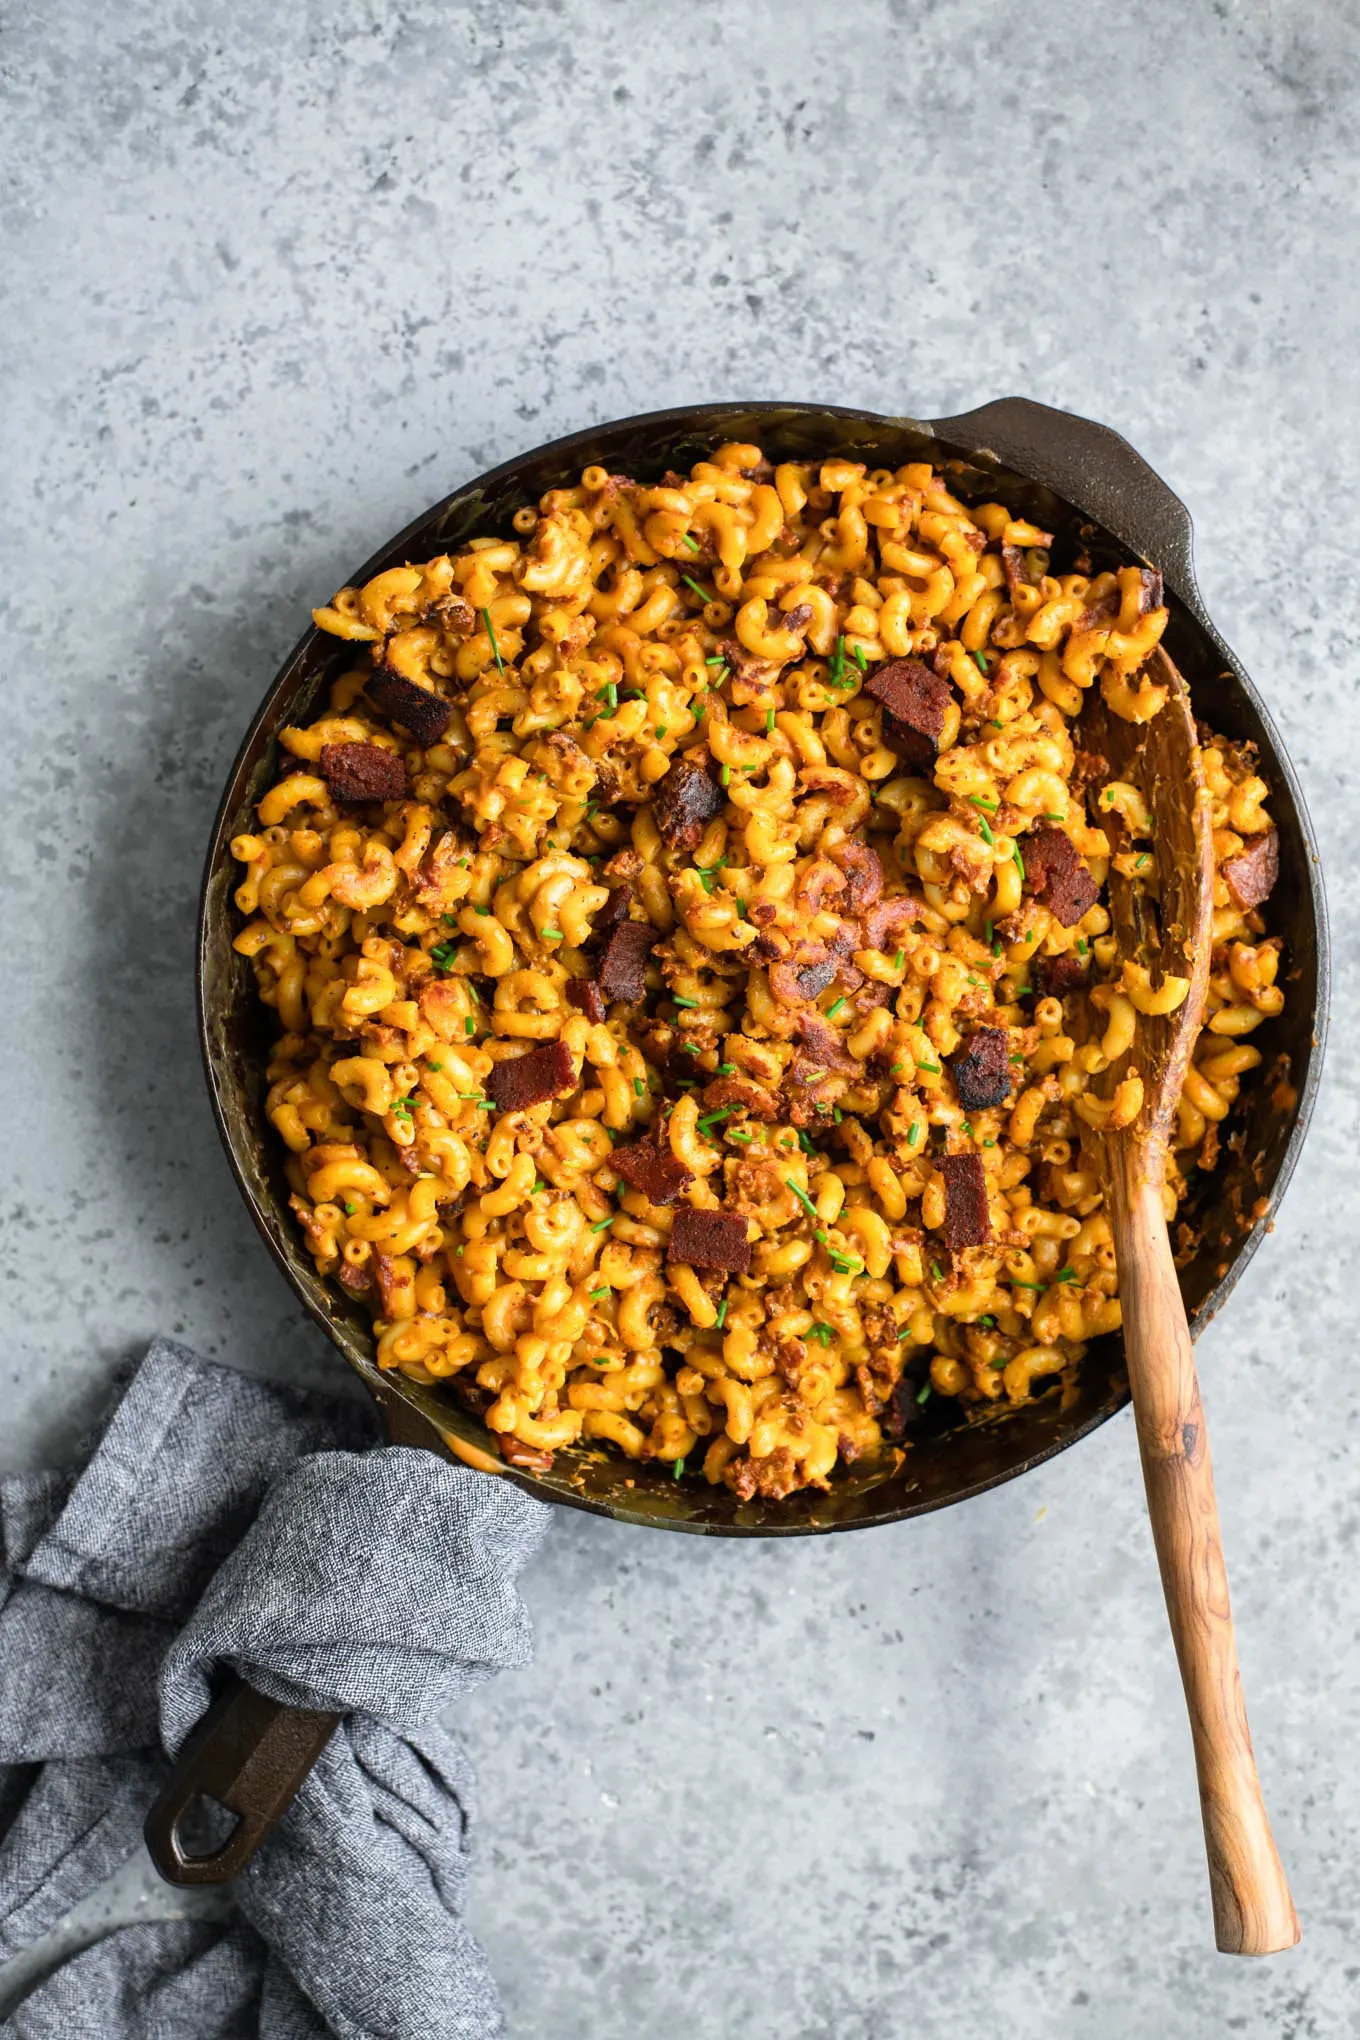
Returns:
point(1253, 1911)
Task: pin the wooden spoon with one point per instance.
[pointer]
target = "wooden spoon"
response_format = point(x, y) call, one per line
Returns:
point(1166, 927)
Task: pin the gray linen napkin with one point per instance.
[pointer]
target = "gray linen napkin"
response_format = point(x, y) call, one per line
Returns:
point(226, 1523)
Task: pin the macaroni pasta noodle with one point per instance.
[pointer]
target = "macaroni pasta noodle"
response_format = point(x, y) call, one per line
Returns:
point(746, 807)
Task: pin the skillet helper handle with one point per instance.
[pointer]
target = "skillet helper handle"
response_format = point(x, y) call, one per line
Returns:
point(1094, 468)
point(1253, 1911)
point(248, 1753)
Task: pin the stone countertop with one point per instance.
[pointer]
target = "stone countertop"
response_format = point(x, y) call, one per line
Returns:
point(278, 278)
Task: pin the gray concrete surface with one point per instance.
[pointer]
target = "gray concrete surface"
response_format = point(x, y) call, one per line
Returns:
point(278, 277)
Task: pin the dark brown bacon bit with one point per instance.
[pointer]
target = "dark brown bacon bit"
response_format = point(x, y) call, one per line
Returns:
point(903, 1407)
point(813, 979)
point(762, 472)
point(914, 702)
point(624, 966)
point(797, 620)
point(710, 1239)
point(546, 1072)
point(684, 802)
point(1017, 569)
point(1100, 615)
point(741, 1091)
point(885, 923)
point(981, 1069)
point(653, 1169)
point(863, 874)
point(418, 709)
point(1087, 767)
point(1251, 875)
point(585, 993)
point(967, 1222)
point(1054, 976)
point(532, 1458)
point(361, 772)
point(1149, 590)
point(1056, 876)
point(824, 1046)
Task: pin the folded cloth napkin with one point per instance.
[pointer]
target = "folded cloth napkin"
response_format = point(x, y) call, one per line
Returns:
point(224, 1523)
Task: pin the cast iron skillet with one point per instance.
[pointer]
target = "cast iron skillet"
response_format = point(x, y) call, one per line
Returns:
point(1089, 487)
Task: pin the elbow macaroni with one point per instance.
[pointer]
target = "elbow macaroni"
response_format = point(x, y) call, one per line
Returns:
point(409, 946)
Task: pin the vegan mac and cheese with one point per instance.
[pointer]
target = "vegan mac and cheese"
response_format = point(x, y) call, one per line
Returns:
point(677, 922)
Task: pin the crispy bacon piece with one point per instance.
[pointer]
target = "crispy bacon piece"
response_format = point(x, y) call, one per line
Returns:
point(885, 922)
point(546, 1072)
point(614, 910)
point(532, 1458)
point(710, 1239)
point(624, 965)
point(813, 979)
point(824, 1046)
point(863, 874)
point(1056, 876)
point(685, 802)
point(1054, 976)
point(967, 1222)
point(653, 1169)
point(1149, 590)
point(797, 619)
point(903, 1409)
point(1251, 875)
point(363, 772)
point(586, 994)
point(744, 1092)
point(914, 701)
point(1017, 569)
point(981, 1069)
point(418, 709)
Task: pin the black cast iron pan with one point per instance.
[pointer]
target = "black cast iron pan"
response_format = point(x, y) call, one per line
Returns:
point(1069, 475)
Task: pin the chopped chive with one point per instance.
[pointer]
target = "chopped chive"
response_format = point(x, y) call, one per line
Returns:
point(985, 826)
point(820, 1235)
point(1141, 861)
point(1051, 818)
point(846, 1264)
point(931, 1069)
point(678, 1001)
point(1037, 1287)
point(350, 1209)
point(833, 1010)
point(1081, 945)
point(981, 661)
point(1066, 1275)
point(904, 1332)
point(716, 1118)
point(1018, 1059)
point(726, 775)
point(690, 1048)
point(823, 1334)
point(603, 1224)
point(719, 660)
point(539, 1184)
point(966, 1128)
point(978, 801)
point(913, 1134)
point(899, 959)
point(989, 1143)
point(990, 1322)
point(836, 1114)
point(639, 1088)
point(442, 955)
point(721, 1319)
point(596, 1294)
point(677, 1469)
point(860, 659)
point(735, 1133)
point(769, 722)
point(551, 934)
point(802, 1197)
point(469, 1025)
point(937, 1271)
point(481, 910)
point(692, 543)
point(431, 1065)
point(609, 694)
point(495, 648)
point(660, 730)
point(1019, 862)
point(924, 1395)
point(727, 1069)
point(702, 593)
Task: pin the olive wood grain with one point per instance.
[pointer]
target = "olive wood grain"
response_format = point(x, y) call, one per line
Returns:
point(1166, 924)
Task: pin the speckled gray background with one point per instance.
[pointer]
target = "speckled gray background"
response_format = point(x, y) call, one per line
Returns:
point(277, 277)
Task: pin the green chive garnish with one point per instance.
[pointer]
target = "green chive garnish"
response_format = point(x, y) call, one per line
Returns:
point(684, 1002)
point(495, 648)
point(802, 1197)
point(702, 593)
point(833, 1010)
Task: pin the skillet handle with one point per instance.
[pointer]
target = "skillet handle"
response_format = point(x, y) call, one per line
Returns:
point(1095, 469)
point(249, 1753)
